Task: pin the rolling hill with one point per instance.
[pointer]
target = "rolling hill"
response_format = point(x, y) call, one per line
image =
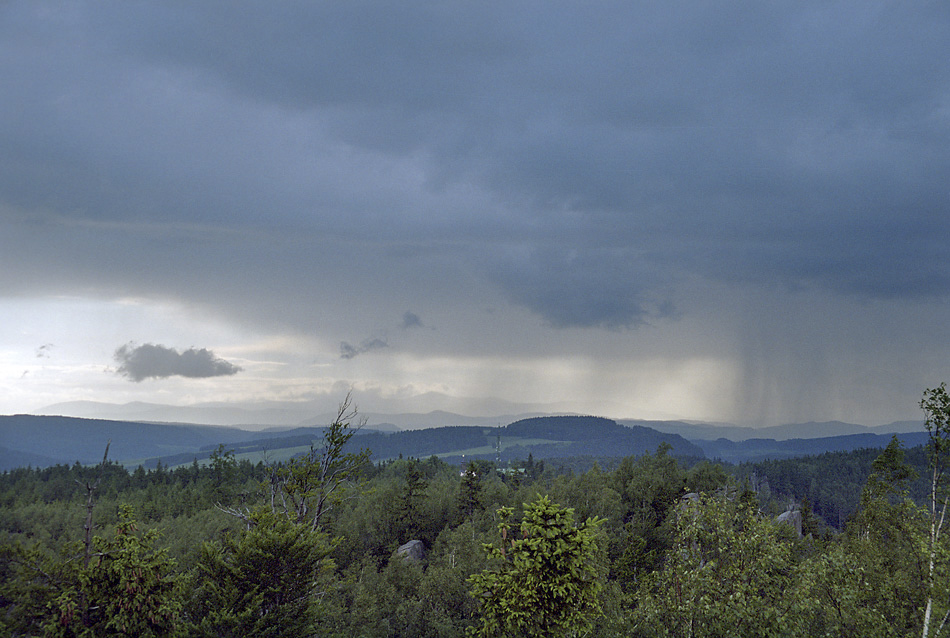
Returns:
point(41, 441)
point(47, 440)
point(68, 440)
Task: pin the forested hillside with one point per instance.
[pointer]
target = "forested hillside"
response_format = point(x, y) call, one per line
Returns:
point(59, 439)
point(751, 450)
point(830, 483)
point(310, 546)
point(41, 441)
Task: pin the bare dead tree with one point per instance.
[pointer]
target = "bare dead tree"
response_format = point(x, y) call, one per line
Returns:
point(91, 487)
point(308, 487)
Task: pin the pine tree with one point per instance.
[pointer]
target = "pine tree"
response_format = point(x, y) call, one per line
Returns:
point(549, 576)
point(267, 581)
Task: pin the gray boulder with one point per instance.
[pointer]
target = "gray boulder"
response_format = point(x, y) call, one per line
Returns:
point(413, 551)
point(793, 518)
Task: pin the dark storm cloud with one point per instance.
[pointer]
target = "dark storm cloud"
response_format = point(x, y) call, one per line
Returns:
point(583, 158)
point(349, 351)
point(152, 361)
point(582, 288)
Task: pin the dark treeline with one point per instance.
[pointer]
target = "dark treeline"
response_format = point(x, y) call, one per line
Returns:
point(309, 547)
point(831, 483)
point(383, 445)
point(541, 437)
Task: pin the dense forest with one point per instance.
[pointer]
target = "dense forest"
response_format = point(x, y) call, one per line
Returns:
point(330, 543)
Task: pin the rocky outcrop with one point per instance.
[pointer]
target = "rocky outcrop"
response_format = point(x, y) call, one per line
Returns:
point(413, 551)
point(793, 518)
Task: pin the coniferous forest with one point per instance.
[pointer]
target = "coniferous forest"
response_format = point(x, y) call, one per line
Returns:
point(332, 544)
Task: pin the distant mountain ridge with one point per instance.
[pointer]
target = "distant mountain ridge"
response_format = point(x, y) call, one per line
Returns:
point(69, 439)
point(596, 436)
point(46, 440)
point(266, 415)
point(753, 450)
point(262, 416)
point(567, 427)
point(56, 439)
point(810, 430)
point(542, 437)
point(275, 414)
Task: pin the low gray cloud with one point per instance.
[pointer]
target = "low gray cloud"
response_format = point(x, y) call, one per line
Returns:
point(153, 361)
point(765, 142)
point(570, 288)
point(804, 146)
point(349, 351)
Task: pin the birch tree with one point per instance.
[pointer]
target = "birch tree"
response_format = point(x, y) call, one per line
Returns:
point(936, 405)
point(306, 488)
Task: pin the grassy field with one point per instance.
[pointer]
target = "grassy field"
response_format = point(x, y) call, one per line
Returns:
point(278, 455)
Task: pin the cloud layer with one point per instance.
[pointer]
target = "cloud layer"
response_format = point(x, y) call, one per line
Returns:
point(582, 163)
point(153, 361)
point(527, 178)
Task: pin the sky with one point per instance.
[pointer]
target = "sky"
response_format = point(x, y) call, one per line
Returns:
point(734, 211)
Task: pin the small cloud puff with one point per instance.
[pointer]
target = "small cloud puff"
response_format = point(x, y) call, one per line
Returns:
point(411, 320)
point(153, 361)
point(349, 351)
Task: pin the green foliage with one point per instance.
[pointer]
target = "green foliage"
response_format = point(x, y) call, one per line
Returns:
point(308, 487)
point(592, 496)
point(887, 513)
point(128, 588)
point(223, 474)
point(706, 477)
point(936, 405)
point(891, 471)
point(549, 576)
point(647, 565)
point(726, 575)
point(831, 482)
point(845, 592)
point(266, 581)
point(406, 600)
point(470, 490)
point(649, 487)
point(30, 578)
point(651, 484)
point(872, 582)
point(411, 499)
